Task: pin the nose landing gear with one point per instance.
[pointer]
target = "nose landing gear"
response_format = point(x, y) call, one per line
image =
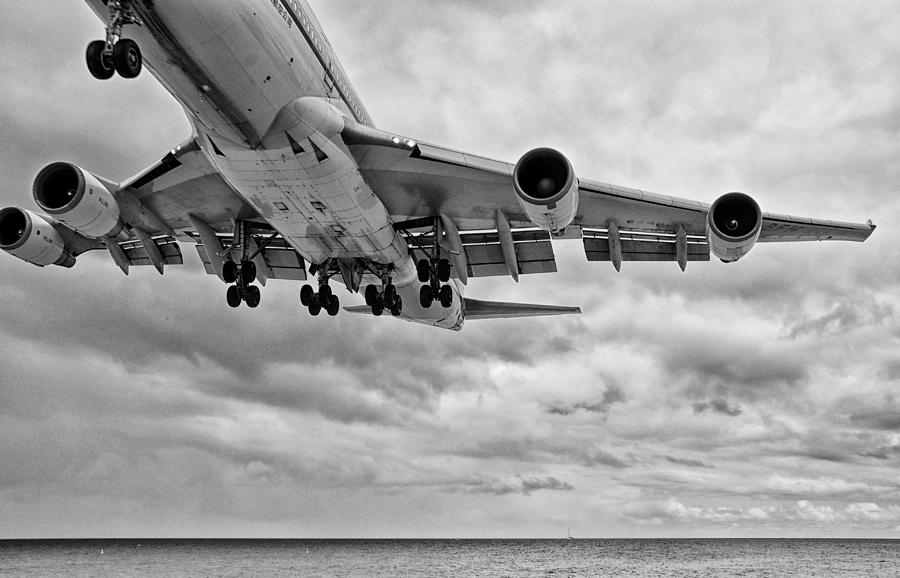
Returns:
point(116, 54)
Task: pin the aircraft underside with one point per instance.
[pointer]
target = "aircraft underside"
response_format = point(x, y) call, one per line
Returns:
point(286, 178)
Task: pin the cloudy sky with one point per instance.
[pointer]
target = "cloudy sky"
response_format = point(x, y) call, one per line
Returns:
point(756, 399)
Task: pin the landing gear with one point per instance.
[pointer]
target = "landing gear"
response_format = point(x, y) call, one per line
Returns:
point(324, 298)
point(384, 299)
point(434, 273)
point(116, 54)
point(242, 275)
point(248, 294)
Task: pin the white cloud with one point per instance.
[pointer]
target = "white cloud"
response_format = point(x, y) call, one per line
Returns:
point(146, 399)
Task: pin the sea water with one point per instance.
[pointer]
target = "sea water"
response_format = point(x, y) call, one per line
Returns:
point(489, 558)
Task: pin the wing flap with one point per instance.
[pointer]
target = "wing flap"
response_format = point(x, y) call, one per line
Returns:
point(280, 259)
point(534, 252)
point(640, 246)
point(136, 255)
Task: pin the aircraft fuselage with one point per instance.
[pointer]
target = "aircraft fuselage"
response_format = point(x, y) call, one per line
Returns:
point(266, 96)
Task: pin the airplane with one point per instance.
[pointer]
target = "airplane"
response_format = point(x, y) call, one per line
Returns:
point(285, 176)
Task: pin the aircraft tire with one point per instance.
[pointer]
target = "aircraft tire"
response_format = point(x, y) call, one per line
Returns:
point(446, 296)
point(371, 295)
point(334, 306)
point(426, 297)
point(127, 58)
point(248, 272)
point(423, 269)
point(443, 270)
point(397, 309)
point(229, 271)
point(325, 295)
point(253, 296)
point(389, 297)
point(233, 296)
point(315, 309)
point(377, 310)
point(306, 295)
point(100, 65)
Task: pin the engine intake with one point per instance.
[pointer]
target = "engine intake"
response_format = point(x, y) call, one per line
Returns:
point(78, 199)
point(32, 238)
point(733, 226)
point(547, 189)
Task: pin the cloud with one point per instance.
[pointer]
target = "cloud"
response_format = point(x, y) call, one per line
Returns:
point(524, 486)
point(718, 406)
point(143, 405)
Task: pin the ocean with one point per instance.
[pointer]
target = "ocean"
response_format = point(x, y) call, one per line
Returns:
point(488, 558)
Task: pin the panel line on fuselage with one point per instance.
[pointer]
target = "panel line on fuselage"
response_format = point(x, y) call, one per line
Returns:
point(315, 38)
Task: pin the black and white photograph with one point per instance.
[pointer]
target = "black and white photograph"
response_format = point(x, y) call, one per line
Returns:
point(449, 288)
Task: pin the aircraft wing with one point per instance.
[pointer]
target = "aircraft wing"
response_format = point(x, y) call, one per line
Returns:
point(171, 197)
point(417, 180)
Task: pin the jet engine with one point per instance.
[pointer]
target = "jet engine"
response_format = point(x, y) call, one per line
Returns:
point(32, 238)
point(547, 189)
point(79, 200)
point(733, 226)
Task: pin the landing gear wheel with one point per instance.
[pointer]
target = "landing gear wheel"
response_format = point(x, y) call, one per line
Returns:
point(98, 61)
point(315, 309)
point(423, 269)
point(443, 270)
point(377, 310)
point(426, 297)
point(252, 296)
point(333, 306)
point(306, 295)
point(446, 296)
point(248, 272)
point(371, 295)
point(389, 298)
point(397, 309)
point(229, 271)
point(325, 295)
point(234, 296)
point(127, 58)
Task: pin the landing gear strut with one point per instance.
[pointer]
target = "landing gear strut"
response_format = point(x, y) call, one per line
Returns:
point(116, 54)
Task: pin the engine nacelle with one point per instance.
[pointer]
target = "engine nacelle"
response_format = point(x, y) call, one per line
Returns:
point(79, 200)
point(547, 189)
point(733, 226)
point(31, 238)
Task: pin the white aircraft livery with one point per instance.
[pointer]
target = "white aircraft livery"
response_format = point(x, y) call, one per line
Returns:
point(285, 176)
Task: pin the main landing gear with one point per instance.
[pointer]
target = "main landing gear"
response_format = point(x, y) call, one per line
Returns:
point(384, 299)
point(116, 54)
point(243, 274)
point(324, 298)
point(435, 273)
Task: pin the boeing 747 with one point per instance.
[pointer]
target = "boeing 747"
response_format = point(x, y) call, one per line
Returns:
point(286, 176)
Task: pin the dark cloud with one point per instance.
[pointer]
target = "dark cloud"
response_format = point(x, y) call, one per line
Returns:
point(717, 406)
point(524, 486)
point(686, 462)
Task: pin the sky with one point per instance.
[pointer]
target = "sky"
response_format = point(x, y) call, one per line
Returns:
point(753, 399)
